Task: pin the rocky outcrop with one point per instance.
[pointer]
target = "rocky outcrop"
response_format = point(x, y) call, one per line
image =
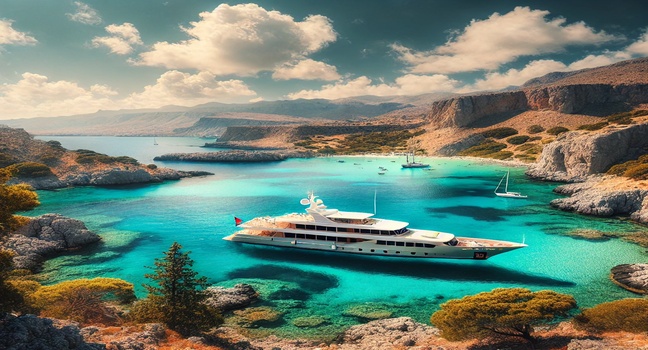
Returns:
point(452, 149)
point(465, 110)
point(239, 156)
point(128, 338)
point(586, 98)
point(393, 333)
point(633, 277)
point(45, 236)
point(575, 155)
point(227, 299)
point(31, 332)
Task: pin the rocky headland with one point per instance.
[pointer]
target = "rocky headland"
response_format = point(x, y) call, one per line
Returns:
point(235, 156)
point(46, 236)
point(633, 277)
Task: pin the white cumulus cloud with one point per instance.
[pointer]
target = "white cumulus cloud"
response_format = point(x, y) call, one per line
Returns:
point(487, 44)
point(242, 40)
point(84, 14)
point(306, 70)
point(639, 47)
point(410, 84)
point(121, 40)
point(10, 36)
point(174, 87)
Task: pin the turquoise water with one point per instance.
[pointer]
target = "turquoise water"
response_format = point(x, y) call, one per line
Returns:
point(139, 223)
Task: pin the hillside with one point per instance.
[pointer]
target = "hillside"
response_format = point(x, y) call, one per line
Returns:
point(628, 72)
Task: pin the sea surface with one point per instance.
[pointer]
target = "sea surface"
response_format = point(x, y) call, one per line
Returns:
point(139, 223)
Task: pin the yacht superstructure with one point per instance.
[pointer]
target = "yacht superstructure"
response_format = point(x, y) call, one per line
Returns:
point(322, 228)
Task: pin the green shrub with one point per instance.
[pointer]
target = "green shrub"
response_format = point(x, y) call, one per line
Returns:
point(152, 166)
point(31, 170)
point(484, 149)
point(85, 156)
point(626, 117)
point(518, 140)
point(535, 138)
point(629, 315)
point(499, 133)
point(529, 148)
point(556, 130)
point(635, 169)
point(534, 129)
point(592, 127)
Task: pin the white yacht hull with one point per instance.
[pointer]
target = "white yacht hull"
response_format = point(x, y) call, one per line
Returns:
point(371, 248)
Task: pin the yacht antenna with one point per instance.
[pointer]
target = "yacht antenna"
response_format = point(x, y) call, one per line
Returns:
point(375, 193)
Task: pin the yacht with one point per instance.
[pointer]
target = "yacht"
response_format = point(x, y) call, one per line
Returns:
point(322, 228)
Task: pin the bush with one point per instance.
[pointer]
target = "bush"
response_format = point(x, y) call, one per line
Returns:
point(629, 315)
point(529, 148)
point(534, 129)
point(152, 166)
point(635, 169)
point(85, 156)
point(31, 170)
point(592, 127)
point(556, 130)
point(518, 140)
point(499, 133)
point(487, 147)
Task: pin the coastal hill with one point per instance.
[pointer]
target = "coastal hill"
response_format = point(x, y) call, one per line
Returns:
point(48, 165)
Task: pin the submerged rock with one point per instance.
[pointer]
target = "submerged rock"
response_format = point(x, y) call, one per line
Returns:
point(393, 333)
point(369, 311)
point(257, 316)
point(45, 236)
point(226, 299)
point(633, 277)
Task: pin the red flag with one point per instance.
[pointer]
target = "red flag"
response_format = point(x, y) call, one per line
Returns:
point(237, 221)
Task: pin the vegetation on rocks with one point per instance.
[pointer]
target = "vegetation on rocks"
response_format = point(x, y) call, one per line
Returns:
point(499, 133)
point(534, 129)
point(518, 140)
point(635, 169)
point(30, 170)
point(557, 130)
point(487, 149)
point(12, 299)
point(177, 298)
point(381, 141)
point(14, 198)
point(503, 312)
point(85, 156)
point(629, 315)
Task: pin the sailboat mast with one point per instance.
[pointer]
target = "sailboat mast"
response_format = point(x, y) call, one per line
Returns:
point(507, 177)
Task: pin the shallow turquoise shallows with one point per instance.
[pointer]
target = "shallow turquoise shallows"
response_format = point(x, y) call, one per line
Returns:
point(139, 223)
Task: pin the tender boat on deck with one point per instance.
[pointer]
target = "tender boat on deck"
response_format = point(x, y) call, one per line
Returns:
point(321, 228)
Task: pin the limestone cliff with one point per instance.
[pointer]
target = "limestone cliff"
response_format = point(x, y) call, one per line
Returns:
point(465, 110)
point(575, 155)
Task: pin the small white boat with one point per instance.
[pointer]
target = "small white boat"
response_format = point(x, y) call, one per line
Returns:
point(507, 193)
point(322, 228)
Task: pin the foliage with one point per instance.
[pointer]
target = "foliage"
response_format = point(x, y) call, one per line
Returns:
point(592, 127)
point(152, 166)
point(500, 133)
point(518, 140)
point(13, 198)
point(30, 170)
point(635, 169)
point(556, 130)
point(503, 311)
point(11, 300)
point(534, 129)
point(178, 299)
point(529, 148)
point(85, 156)
point(629, 315)
point(626, 117)
point(484, 149)
point(83, 300)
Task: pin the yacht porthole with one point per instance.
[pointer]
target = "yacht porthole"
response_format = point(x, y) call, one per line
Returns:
point(384, 251)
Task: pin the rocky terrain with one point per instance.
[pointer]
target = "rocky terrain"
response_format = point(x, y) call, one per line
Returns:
point(237, 156)
point(46, 236)
point(47, 165)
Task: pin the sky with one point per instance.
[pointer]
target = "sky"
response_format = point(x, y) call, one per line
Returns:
point(61, 57)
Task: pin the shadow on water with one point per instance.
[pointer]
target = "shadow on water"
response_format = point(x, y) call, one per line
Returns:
point(312, 282)
point(417, 268)
point(477, 213)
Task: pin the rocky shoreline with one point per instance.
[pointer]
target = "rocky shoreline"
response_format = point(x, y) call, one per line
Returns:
point(235, 156)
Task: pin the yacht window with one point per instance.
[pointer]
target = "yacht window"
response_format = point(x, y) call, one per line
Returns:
point(429, 246)
point(359, 249)
point(382, 232)
point(364, 230)
point(321, 238)
point(425, 253)
point(391, 243)
point(384, 251)
point(330, 239)
point(299, 235)
point(400, 244)
point(413, 253)
point(333, 229)
point(321, 228)
point(373, 250)
point(381, 242)
point(356, 230)
point(300, 226)
point(310, 227)
point(420, 245)
point(289, 235)
point(408, 244)
point(310, 236)
point(352, 240)
point(453, 242)
point(397, 252)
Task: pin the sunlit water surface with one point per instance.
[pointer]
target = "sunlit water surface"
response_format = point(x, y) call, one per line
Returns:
point(139, 223)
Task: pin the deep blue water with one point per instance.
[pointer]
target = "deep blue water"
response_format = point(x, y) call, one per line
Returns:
point(139, 223)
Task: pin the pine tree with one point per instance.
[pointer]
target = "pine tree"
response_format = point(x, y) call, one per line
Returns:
point(177, 298)
point(13, 198)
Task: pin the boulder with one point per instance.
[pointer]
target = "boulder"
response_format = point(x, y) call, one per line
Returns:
point(633, 277)
point(226, 299)
point(402, 332)
point(31, 332)
point(45, 236)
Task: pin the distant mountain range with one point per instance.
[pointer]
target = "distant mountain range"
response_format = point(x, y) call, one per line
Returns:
point(181, 121)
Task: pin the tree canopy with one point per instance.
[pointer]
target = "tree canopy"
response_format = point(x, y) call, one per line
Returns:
point(13, 198)
point(503, 311)
point(10, 298)
point(177, 297)
point(630, 315)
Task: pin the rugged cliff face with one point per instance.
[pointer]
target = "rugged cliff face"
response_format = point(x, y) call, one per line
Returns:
point(575, 155)
point(465, 110)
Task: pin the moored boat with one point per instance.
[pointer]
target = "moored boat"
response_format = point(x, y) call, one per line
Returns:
point(322, 228)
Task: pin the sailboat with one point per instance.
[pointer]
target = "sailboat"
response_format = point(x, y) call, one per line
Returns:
point(413, 163)
point(506, 192)
point(154, 141)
